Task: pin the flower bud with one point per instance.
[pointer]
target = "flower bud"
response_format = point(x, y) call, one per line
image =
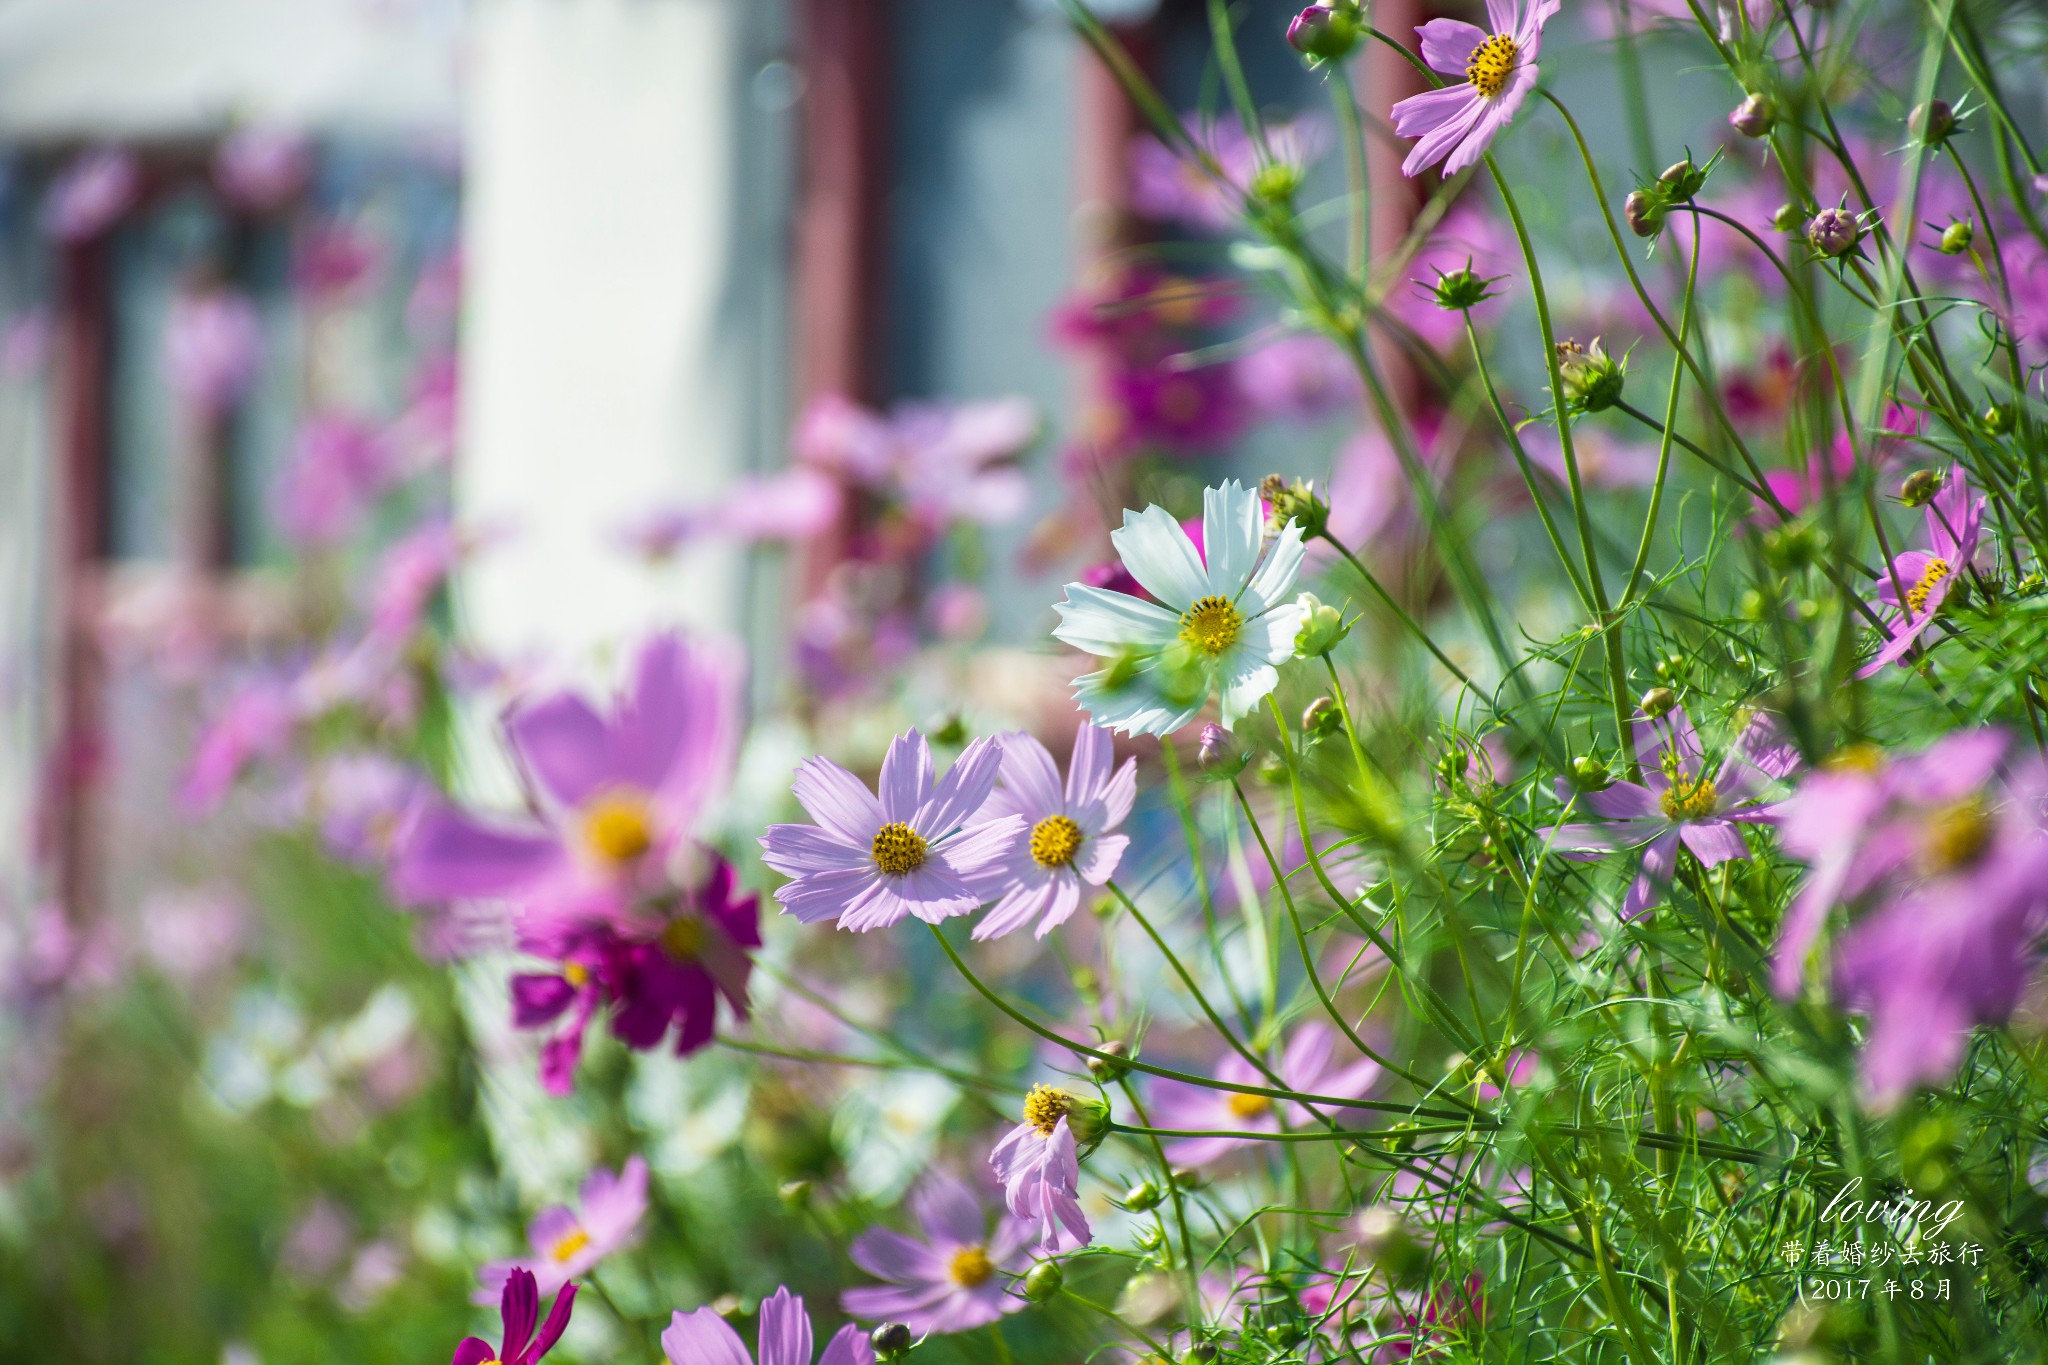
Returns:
point(1105, 1070)
point(1755, 116)
point(1932, 122)
point(1218, 754)
point(1590, 774)
point(1044, 1281)
point(1919, 488)
point(891, 1341)
point(1324, 33)
point(1189, 1177)
point(1321, 718)
point(1282, 1335)
point(1385, 1242)
point(1454, 764)
point(1681, 181)
point(1276, 182)
point(1593, 379)
point(1458, 290)
point(1998, 419)
point(1087, 1119)
point(1644, 212)
point(1833, 232)
point(1658, 701)
point(1295, 501)
point(1142, 1196)
point(1787, 218)
point(1956, 238)
point(1201, 1353)
point(795, 1193)
point(1322, 627)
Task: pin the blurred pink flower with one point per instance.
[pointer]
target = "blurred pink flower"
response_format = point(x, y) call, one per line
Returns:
point(262, 168)
point(942, 463)
point(568, 1242)
point(339, 466)
point(187, 933)
point(1309, 1065)
point(1169, 187)
point(793, 505)
point(24, 344)
point(91, 193)
point(256, 722)
point(1299, 378)
point(409, 576)
point(331, 261)
point(213, 347)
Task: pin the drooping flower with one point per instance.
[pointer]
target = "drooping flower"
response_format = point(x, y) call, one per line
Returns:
point(1308, 1065)
point(867, 863)
point(567, 1242)
point(1063, 837)
point(1456, 124)
point(704, 1338)
point(1925, 576)
point(957, 1278)
point(1677, 803)
point(1039, 1163)
point(520, 1309)
point(1222, 616)
point(618, 794)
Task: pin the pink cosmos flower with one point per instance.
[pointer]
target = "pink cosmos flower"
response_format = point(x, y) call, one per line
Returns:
point(955, 1279)
point(1925, 576)
point(704, 1338)
point(90, 194)
point(1308, 1065)
point(617, 793)
point(1456, 124)
point(1062, 837)
point(262, 168)
point(867, 863)
point(1039, 1164)
point(1299, 378)
point(1678, 804)
point(1169, 187)
point(943, 463)
point(255, 723)
point(364, 803)
point(339, 465)
point(520, 1309)
point(213, 347)
point(790, 506)
point(568, 1242)
point(331, 262)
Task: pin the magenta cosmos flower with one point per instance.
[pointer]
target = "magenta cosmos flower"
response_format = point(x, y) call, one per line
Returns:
point(1678, 804)
point(1456, 124)
point(1039, 1163)
point(704, 1338)
point(1061, 838)
point(1925, 576)
point(867, 863)
point(955, 1279)
point(520, 1309)
point(617, 793)
point(1308, 1065)
point(567, 1242)
point(669, 968)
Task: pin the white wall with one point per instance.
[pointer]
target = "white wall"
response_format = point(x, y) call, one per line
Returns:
point(605, 366)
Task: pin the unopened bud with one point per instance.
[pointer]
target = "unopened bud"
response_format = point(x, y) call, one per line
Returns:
point(1787, 218)
point(1644, 212)
point(1044, 1281)
point(1325, 33)
point(1919, 488)
point(1142, 1196)
point(1833, 232)
point(1658, 701)
point(1932, 122)
point(1458, 290)
point(1681, 181)
point(1593, 380)
point(1112, 1068)
point(1590, 774)
point(795, 1193)
point(1957, 238)
point(1998, 419)
point(1755, 116)
point(1293, 500)
point(1189, 1177)
point(1277, 182)
point(1218, 754)
point(1321, 718)
point(1322, 627)
point(1385, 1241)
point(892, 1341)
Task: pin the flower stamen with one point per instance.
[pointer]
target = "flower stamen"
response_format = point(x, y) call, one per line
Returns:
point(898, 849)
point(1689, 800)
point(1054, 841)
point(1244, 1106)
point(682, 938)
point(617, 827)
point(1916, 596)
point(569, 1244)
point(1958, 834)
point(970, 1267)
point(1490, 63)
point(1211, 625)
point(1044, 1107)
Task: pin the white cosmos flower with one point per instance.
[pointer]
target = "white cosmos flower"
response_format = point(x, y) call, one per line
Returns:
point(1216, 627)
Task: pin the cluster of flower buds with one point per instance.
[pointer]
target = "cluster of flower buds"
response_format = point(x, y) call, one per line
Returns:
point(1647, 208)
point(1593, 379)
point(1327, 32)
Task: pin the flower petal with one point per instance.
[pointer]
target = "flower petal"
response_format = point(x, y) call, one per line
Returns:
point(1104, 623)
point(837, 800)
point(1448, 44)
point(1161, 557)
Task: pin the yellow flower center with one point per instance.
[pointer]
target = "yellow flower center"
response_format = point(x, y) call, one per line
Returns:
point(576, 974)
point(971, 1266)
point(1211, 625)
point(1916, 596)
point(682, 938)
point(1693, 800)
point(898, 849)
point(1488, 66)
point(1248, 1106)
point(1054, 841)
point(570, 1243)
point(1958, 834)
point(1044, 1107)
point(1855, 758)
point(616, 827)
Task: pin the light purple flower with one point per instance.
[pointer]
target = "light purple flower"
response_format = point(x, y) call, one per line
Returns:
point(954, 1280)
point(793, 505)
point(1062, 838)
point(867, 863)
point(1039, 1164)
point(364, 803)
point(1169, 187)
point(1925, 576)
point(704, 1338)
point(213, 347)
point(567, 1242)
point(1298, 377)
point(943, 463)
point(1678, 804)
point(90, 195)
point(262, 168)
point(339, 465)
point(257, 722)
point(618, 794)
point(520, 1309)
point(1308, 1065)
point(1456, 124)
